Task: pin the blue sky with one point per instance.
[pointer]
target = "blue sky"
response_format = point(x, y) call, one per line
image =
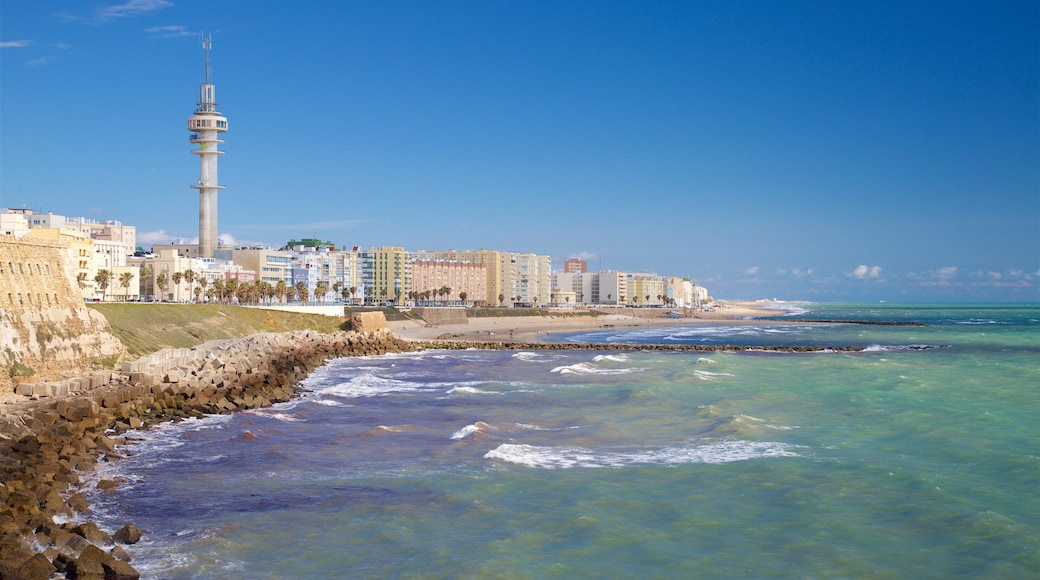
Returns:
point(831, 150)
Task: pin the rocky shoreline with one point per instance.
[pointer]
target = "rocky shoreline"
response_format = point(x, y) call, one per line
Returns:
point(47, 443)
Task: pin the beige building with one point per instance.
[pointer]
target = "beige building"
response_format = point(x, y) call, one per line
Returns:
point(513, 278)
point(646, 290)
point(271, 266)
point(459, 277)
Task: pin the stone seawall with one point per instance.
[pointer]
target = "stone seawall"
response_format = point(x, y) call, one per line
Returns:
point(46, 444)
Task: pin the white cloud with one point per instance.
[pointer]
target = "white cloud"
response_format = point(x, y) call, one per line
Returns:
point(130, 9)
point(226, 240)
point(43, 60)
point(864, 272)
point(172, 31)
point(946, 273)
point(15, 43)
point(156, 237)
point(587, 256)
point(751, 271)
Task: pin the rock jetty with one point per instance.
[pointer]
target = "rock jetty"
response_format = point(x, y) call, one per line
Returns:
point(47, 444)
point(449, 344)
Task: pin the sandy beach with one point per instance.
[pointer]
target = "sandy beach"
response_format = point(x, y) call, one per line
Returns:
point(539, 328)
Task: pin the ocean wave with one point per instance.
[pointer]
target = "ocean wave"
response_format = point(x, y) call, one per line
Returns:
point(470, 391)
point(526, 355)
point(577, 457)
point(328, 403)
point(708, 375)
point(589, 369)
point(611, 357)
point(468, 430)
point(901, 347)
point(371, 384)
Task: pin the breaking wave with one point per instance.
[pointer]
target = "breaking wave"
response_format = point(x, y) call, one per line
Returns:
point(578, 457)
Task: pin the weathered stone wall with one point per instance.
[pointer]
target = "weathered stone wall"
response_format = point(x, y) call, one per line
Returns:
point(442, 315)
point(45, 445)
point(45, 330)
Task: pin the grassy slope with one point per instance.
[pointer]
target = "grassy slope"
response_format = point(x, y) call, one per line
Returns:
point(146, 328)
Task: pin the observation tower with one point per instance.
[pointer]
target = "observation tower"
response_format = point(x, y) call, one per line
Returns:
point(206, 125)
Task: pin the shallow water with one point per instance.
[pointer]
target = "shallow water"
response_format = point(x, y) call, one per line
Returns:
point(888, 463)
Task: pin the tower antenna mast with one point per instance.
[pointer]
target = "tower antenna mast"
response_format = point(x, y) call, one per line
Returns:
point(207, 42)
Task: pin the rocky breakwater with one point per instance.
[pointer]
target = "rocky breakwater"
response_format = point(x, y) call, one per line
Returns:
point(47, 445)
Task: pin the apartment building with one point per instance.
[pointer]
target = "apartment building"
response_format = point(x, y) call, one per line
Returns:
point(386, 274)
point(646, 290)
point(271, 266)
point(460, 277)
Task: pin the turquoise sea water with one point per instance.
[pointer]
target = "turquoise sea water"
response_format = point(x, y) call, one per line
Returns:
point(919, 457)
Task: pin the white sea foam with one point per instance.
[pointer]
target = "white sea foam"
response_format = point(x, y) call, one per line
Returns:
point(328, 402)
point(526, 356)
point(370, 384)
point(708, 375)
point(470, 391)
point(575, 457)
point(611, 357)
point(470, 429)
point(590, 369)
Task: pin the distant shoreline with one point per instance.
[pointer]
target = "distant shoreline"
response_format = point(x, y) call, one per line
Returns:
point(540, 328)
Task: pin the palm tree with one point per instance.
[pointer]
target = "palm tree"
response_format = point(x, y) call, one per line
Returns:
point(145, 288)
point(289, 291)
point(177, 277)
point(161, 282)
point(81, 279)
point(230, 289)
point(534, 302)
point(501, 299)
point(609, 296)
point(303, 291)
point(647, 300)
point(353, 292)
point(337, 287)
point(218, 289)
point(463, 296)
point(102, 279)
point(124, 281)
point(320, 290)
point(203, 282)
point(189, 277)
point(280, 290)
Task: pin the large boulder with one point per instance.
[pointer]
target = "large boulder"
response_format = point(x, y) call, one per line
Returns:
point(367, 321)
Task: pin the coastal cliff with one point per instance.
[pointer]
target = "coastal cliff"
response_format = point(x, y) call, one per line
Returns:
point(47, 444)
point(45, 330)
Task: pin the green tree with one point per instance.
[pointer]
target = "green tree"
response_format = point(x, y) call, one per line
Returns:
point(124, 280)
point(177, 277)
point(102, 279)
point(280, 290)
point(463, 296)
point(501, 299)
point(320, 290)
point(189, 277)
point(203, 283)
point(161, 282)
point(303, 292)
point(146, 288)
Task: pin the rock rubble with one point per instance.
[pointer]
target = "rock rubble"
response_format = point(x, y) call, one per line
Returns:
point(48, 443)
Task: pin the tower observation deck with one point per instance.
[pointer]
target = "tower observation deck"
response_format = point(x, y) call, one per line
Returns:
point(206, 125)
